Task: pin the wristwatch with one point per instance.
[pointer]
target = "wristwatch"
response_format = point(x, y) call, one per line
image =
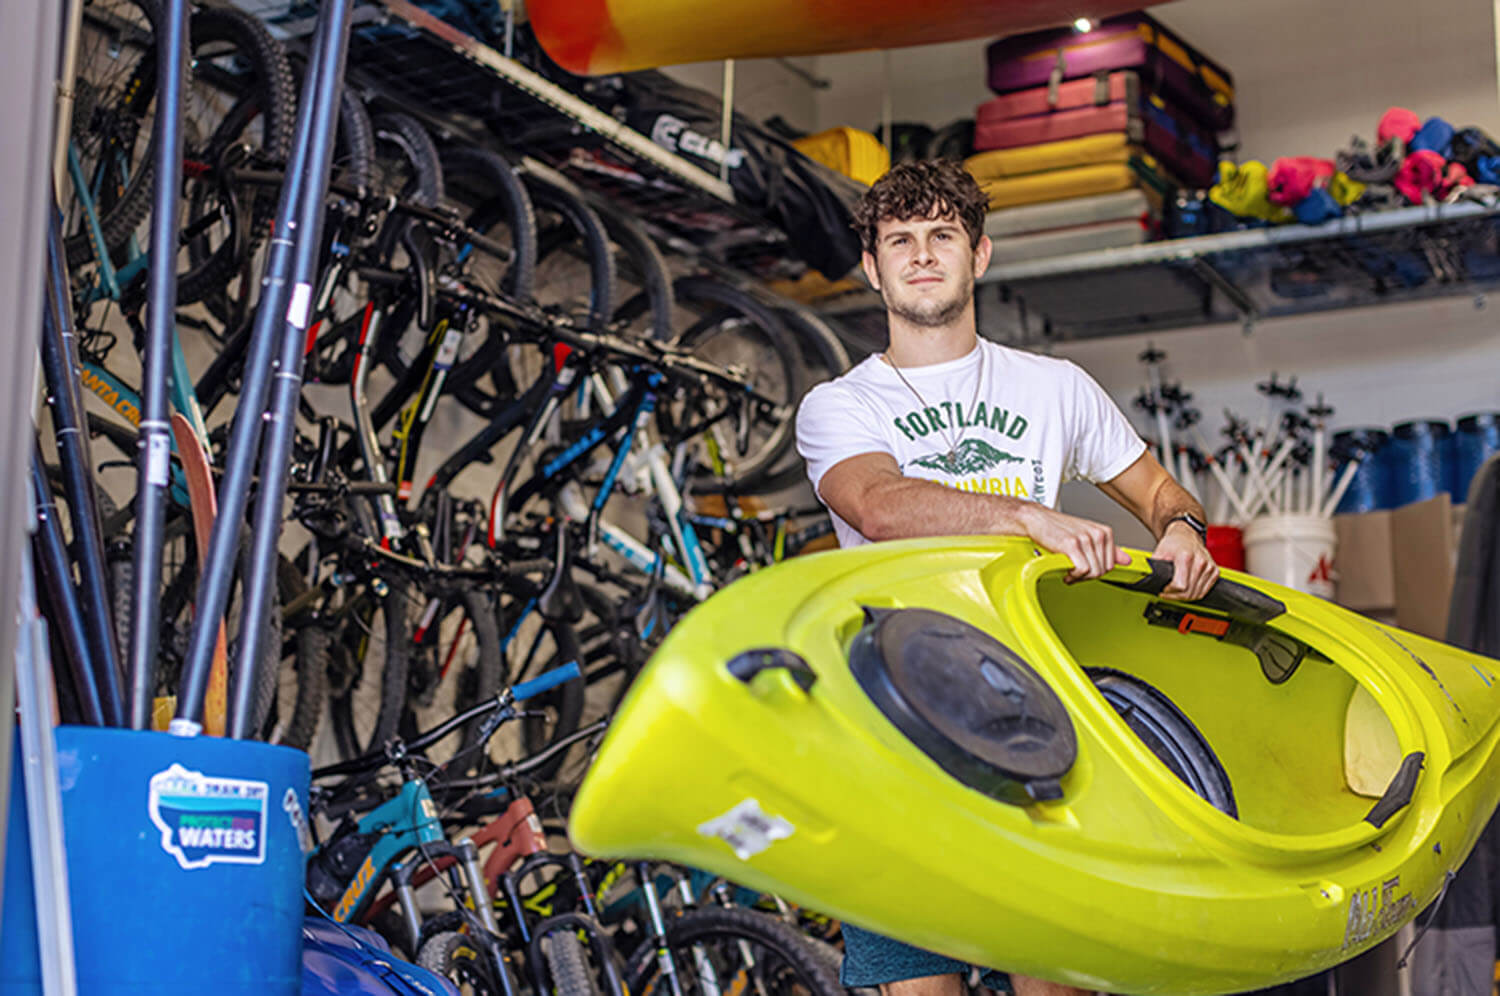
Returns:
point(1194, 523)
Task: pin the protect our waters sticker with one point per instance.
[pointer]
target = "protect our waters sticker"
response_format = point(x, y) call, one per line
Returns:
point(206, 820)
point(747, 829)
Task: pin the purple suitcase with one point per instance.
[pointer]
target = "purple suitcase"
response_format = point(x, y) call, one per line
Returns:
point(1165, 63)
point(1187, 149)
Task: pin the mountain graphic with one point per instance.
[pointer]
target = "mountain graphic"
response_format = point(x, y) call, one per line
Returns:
point(974, 456)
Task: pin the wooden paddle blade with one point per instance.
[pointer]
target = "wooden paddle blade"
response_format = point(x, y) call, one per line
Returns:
point(204, 506)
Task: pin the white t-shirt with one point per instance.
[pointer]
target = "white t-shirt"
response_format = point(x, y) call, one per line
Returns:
point(1035, 423)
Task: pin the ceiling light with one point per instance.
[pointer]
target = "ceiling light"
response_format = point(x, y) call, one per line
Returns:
point(1083, 25)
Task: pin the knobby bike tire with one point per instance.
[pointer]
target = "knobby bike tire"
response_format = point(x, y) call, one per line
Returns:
point(458, 959)
point(402, 135)
point(353, 153)
point(307, 662)
point(800, 967)
point(568, 965)
point(273, 99)
point(503, 200)
point(578, 229)
point(823, 357)
point(388, 687)
point(130, 205)
point(733, 312)
point(470, 612)
point(178, 591)
point(643, 261)
point(354, 145)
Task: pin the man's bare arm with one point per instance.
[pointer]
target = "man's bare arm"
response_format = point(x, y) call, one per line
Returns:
point(1147, 491)
point(869, 492)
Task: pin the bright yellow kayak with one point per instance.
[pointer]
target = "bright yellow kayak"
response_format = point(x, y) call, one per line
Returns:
point(942, 741)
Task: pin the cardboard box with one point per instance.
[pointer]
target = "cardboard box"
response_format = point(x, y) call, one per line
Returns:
point(1398, 565)
point(1366, 576)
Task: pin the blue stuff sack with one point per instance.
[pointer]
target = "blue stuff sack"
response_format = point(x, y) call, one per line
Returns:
point(1317, 207)
point(1435, 135)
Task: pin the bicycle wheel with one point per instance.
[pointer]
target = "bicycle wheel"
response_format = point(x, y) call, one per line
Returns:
point(568, 965)
point(175, 606)
point(368, 660)
point(302, 681)
point(110, 135)
point(456, 663)
point(497, 204)
point(232, 303)
point(455, 957)
point(823, 356)
point(646, 281)
point(238, 105)
point(575, 267)
point(734, 329)
point(709, 947)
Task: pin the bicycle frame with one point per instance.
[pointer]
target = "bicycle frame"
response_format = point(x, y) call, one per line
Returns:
point(407, 821)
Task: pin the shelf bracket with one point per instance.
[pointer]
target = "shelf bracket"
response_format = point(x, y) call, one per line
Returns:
point(1241, 302)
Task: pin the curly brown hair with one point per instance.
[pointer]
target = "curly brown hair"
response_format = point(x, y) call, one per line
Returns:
point(933, 188)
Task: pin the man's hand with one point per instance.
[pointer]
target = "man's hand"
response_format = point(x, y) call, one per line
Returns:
point(1090, 545)
point(1194, 571)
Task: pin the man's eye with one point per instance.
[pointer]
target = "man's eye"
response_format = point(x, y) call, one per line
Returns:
point(944, 236)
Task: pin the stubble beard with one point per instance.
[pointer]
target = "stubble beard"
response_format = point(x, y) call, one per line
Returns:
point(927, 313)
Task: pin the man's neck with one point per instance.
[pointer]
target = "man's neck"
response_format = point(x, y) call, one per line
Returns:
point(914, 346)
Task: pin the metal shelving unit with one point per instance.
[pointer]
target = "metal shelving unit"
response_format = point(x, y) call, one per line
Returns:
point(1247, 276)
point(464, 90)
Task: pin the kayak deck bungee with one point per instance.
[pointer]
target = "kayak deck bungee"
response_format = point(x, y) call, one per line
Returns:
point(803, 732)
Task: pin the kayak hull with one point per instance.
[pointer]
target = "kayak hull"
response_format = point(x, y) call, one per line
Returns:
point(611, 36)
point(1361, 778)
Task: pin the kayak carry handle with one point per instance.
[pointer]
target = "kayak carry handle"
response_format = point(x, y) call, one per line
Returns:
point(747, 665)
point(1399, 792)
point(1236, 600)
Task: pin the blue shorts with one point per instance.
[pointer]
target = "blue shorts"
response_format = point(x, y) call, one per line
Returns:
point(872, 960)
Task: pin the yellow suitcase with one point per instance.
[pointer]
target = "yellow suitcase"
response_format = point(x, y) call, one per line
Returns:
point(854, 153)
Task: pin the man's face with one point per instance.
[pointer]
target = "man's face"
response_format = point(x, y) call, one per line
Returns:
point(925, 268)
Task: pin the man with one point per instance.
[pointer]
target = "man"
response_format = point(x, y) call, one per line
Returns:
point(944, 434)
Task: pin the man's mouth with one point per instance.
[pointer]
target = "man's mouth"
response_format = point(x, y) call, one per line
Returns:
point(925, 280)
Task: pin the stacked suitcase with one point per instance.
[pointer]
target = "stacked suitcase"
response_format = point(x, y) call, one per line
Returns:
point(1091, 132)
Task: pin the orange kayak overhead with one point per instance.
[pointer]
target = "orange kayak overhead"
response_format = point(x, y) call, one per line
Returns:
point(611, 36)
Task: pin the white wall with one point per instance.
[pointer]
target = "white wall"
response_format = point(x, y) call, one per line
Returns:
point(1374, 366)
point(762, 87)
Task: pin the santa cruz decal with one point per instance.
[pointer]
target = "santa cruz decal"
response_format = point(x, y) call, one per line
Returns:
point(204, 820)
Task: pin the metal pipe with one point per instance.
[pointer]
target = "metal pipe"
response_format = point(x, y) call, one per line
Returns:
point(726, 119)
point(60, 365)
point(325, 84)
point(67, 616)
point(44, 815)
point(67, 92)
point(245, 432)
point(155, 440)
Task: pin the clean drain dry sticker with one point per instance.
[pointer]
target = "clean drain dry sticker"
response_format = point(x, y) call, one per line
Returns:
point(205, 820)
point(747, 829)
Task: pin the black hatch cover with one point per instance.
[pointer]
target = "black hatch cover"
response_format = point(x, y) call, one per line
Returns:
point(967, 701)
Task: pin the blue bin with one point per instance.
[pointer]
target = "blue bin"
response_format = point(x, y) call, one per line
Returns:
point(1419, 461)
point(1477, 439)
point(185, 866)
point(1369, 488)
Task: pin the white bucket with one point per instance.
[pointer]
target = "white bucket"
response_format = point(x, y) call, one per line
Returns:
point(1294, 550)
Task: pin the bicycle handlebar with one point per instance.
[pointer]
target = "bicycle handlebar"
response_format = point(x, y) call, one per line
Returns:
point(399, 750)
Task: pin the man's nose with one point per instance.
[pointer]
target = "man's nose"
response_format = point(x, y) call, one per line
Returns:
point(924, 255)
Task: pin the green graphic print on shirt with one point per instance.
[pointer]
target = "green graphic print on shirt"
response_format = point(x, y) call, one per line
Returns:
point(974, 458)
